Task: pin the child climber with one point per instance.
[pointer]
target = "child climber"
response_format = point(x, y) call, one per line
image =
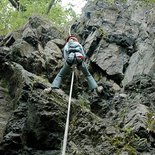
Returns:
point(73, 54)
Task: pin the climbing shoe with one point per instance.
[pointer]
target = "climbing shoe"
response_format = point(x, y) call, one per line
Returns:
point(99, 89)
point(47, 90)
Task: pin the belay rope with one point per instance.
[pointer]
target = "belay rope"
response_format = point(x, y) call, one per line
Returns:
point(68, 113)
point(69, 106)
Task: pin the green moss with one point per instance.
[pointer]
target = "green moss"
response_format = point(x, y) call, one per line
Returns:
point(102, 33)
point(111, 1)
point(40, 79)
point(82, 99)
point(125, 142)
point(128, 131)
point(150, 1)
point(130, 149)
point(118, 142)
point(3, 83)
point(99, 14)
point(122, 113)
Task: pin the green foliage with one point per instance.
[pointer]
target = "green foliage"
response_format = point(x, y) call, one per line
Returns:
point(130, 149)
point(82, 99)
point(126, 142)
point(150, 123)
point(11, 19)
point(150, 1)
point(3, 83)
point(102, 33)
point(111, 1)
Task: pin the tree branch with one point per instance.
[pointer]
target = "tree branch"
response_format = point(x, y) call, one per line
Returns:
point(17, 5)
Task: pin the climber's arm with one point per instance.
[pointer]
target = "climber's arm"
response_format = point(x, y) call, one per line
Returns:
point(82, 51)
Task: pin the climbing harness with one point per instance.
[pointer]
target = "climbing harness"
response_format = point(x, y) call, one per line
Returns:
point(68, 113)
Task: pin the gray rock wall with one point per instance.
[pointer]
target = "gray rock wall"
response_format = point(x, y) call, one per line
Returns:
point(119, 39)
point(125, 45)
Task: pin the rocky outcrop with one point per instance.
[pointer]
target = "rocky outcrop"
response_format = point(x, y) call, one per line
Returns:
point(114, 121)
point(118, 36)
point(5, 110)
point(31, 108)
point(120, 125)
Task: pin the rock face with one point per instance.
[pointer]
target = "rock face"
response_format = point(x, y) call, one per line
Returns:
point(119, 39)
point(118, 36)
point(5, 110)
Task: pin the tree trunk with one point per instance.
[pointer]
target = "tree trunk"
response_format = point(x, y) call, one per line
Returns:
point(50, 6)
point(17, 5)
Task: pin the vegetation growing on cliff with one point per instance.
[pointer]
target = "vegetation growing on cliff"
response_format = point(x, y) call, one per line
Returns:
point(15, 13)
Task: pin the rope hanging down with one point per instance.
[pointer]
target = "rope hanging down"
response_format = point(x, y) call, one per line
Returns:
point(68, 113)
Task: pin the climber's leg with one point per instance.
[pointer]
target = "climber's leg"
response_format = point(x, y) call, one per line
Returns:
point(91, 82)
point(63, 72)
